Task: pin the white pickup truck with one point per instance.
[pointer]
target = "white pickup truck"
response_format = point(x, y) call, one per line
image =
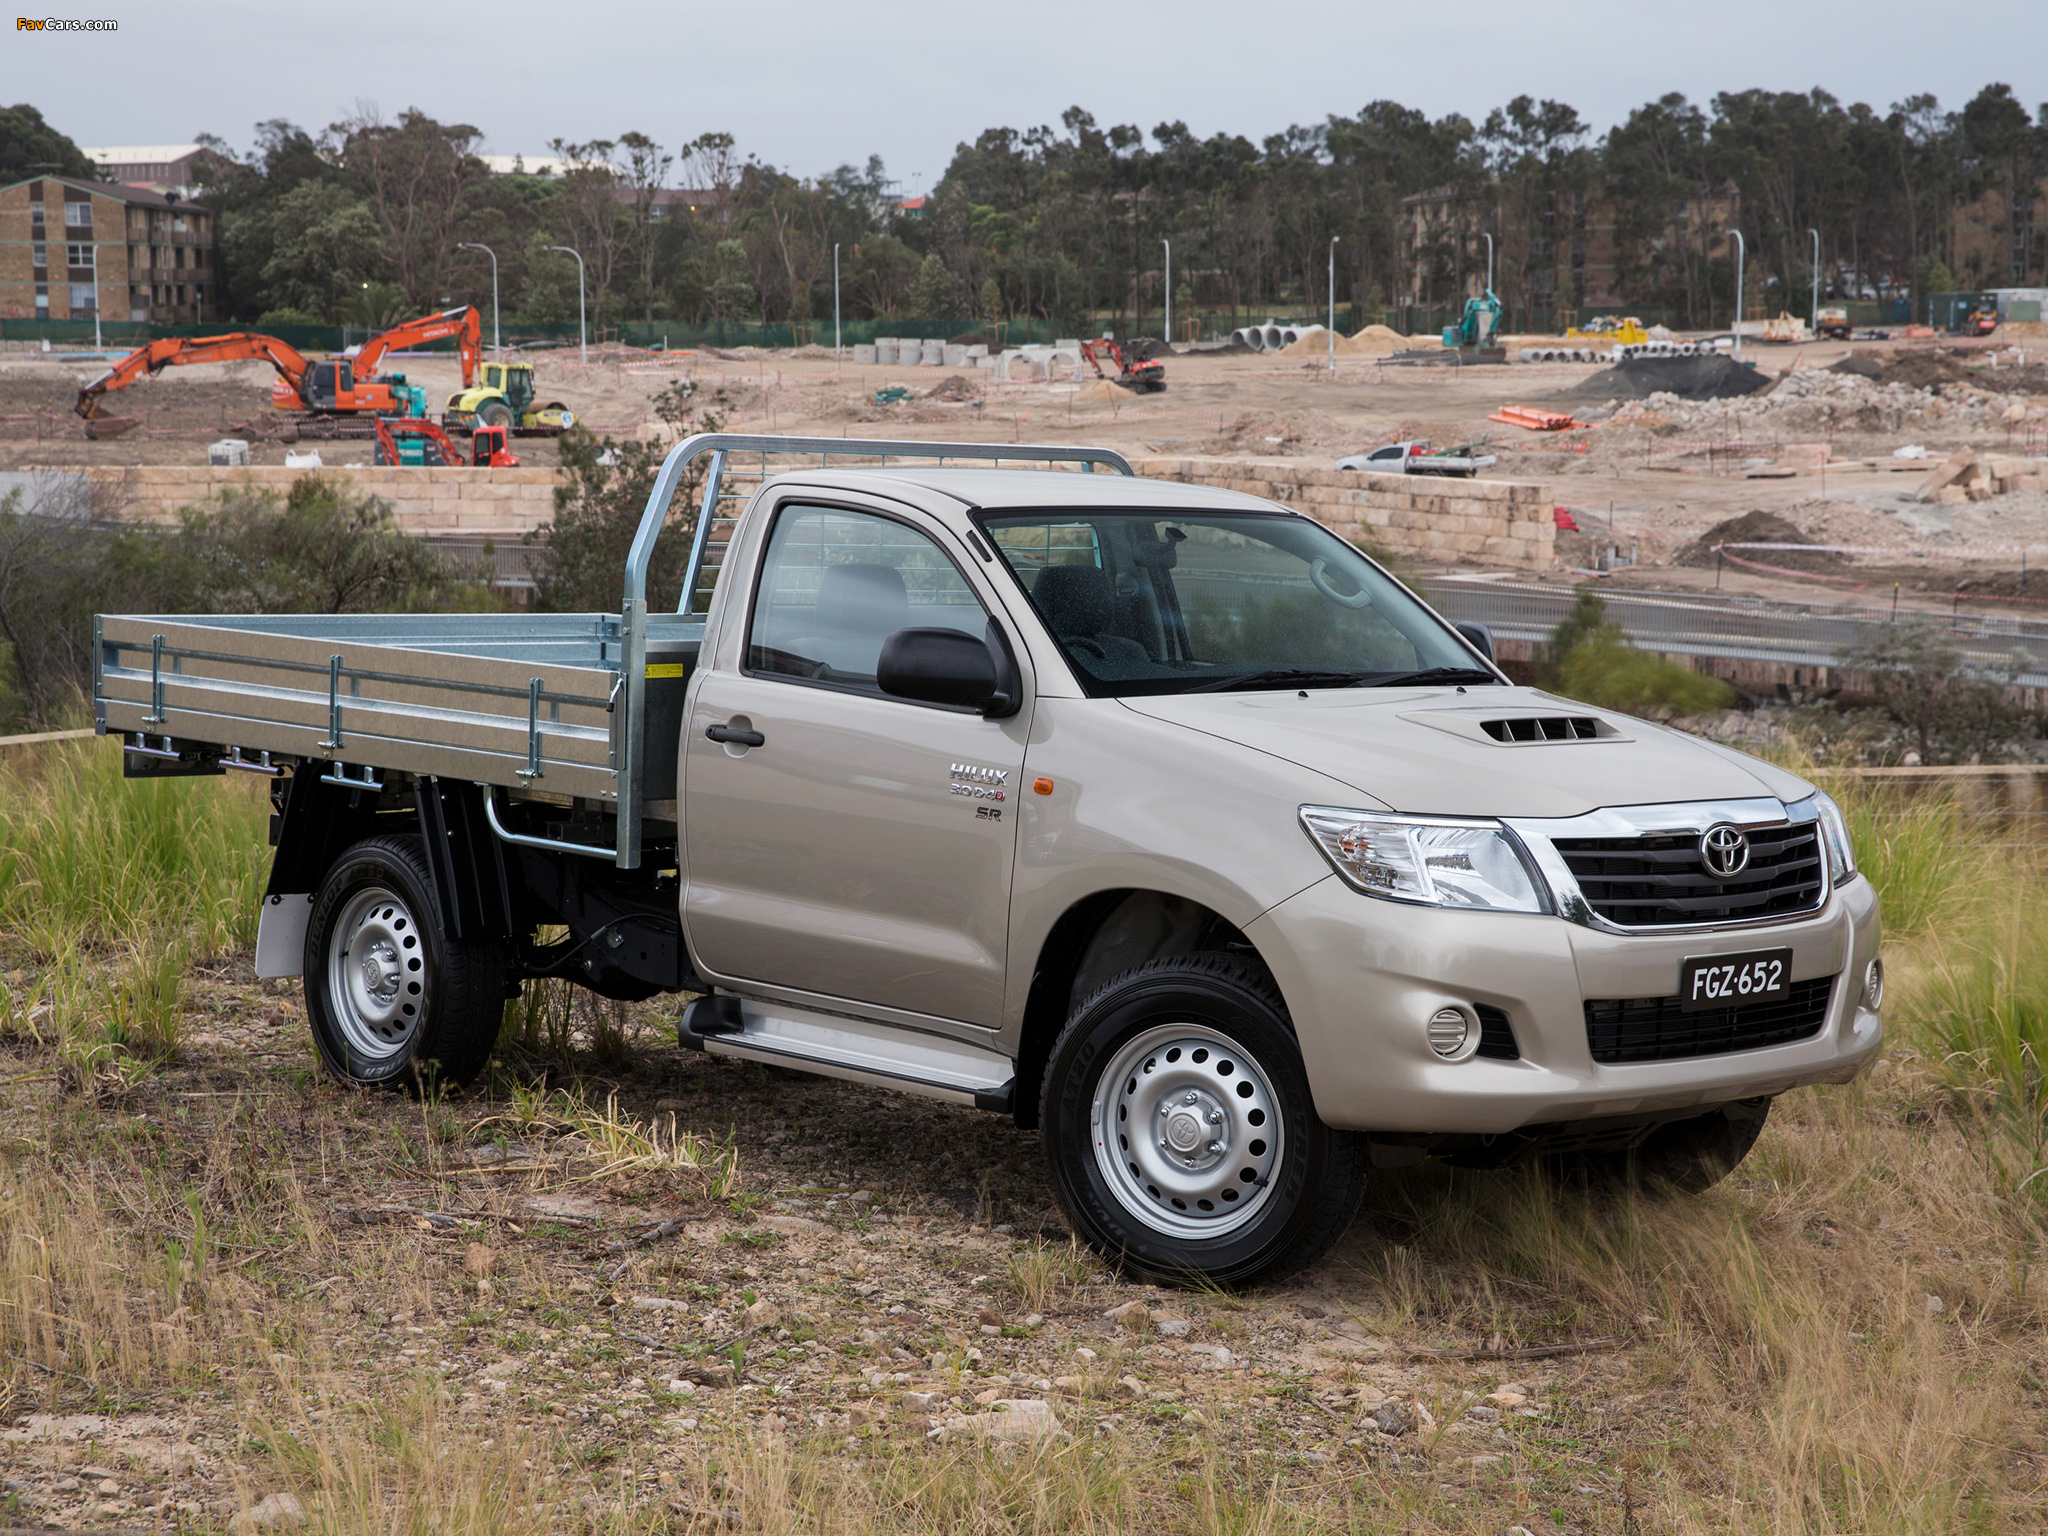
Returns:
point(1156, 817)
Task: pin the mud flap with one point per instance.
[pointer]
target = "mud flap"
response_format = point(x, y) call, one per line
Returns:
point(281, 934)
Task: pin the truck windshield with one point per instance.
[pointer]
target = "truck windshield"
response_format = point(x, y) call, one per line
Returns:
point(1215, 601)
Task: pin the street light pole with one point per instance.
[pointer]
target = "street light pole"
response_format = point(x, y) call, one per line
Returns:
point(1333, 302)
point(1816, 281)
point(1741, 261)
point(582, 329)
point(1169, 291)
point(96, 345)
point(835, 298)
point(497, 344)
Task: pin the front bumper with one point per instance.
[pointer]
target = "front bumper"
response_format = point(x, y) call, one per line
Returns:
point(1362, 977)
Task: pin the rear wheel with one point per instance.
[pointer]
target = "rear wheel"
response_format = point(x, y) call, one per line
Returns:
point(494, 413)
point(1180, 1131)
point(389, 996)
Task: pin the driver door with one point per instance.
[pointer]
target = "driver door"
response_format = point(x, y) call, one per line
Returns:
point(862, 848)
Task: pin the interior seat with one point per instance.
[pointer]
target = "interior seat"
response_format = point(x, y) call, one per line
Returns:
point(1079, 605)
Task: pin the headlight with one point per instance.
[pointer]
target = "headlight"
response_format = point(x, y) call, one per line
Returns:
point(1425, 859)
point(1834, 832)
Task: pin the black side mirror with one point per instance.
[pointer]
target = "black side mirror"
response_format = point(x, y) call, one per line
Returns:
point(939, 666)
point(1479, 636)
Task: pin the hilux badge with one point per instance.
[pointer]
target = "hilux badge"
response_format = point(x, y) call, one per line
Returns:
point(978, 783)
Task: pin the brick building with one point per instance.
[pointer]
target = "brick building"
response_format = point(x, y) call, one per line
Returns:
point(70, 250)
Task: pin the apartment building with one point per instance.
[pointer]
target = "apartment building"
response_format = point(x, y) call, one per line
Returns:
point(73, 250)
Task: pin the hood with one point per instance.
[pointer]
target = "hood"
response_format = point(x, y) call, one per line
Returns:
point(1487, 752)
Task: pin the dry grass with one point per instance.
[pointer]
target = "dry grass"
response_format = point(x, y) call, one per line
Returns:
point(1784, 1370)
point(616, 1142)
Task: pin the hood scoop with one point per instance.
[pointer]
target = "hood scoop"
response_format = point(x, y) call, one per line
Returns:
point(1520, 728)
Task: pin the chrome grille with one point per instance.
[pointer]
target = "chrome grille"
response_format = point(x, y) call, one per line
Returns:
point(1658, 881)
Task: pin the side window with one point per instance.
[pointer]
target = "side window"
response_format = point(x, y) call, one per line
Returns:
point(836, 584)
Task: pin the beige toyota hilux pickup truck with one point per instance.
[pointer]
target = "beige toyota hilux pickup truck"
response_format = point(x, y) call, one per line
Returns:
point(1156, 817)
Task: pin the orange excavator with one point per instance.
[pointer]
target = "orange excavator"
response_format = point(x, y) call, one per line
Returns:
point(355, 384)
point(330, 387)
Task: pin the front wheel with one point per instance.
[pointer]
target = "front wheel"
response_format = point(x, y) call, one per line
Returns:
point(389, 996)
point(1180, 1131)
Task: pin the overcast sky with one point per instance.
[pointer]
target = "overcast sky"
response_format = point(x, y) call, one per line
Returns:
point(808, 85)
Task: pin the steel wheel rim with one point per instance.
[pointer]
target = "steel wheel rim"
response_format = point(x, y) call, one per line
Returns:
point(1187, 1131)
point(376, 974)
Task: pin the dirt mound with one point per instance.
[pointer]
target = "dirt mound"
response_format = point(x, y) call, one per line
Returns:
point(1862, 364)
point(1752, 528)
point(1933, 370)
point(1707, 377)
point(955, 386)
point(1372, 341)
point(1918, 370)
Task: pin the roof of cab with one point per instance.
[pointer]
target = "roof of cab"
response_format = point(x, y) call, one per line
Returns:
point(1003, 489)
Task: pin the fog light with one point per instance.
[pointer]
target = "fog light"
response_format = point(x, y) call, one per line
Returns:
point(1449, 1029)
point(1873, 985)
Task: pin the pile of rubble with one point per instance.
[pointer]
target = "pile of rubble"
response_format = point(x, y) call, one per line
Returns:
point(1813, 400)
point(1967, 476)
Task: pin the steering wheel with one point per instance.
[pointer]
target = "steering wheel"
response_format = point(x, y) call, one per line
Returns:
point(1362, 598)
point(1088, 647)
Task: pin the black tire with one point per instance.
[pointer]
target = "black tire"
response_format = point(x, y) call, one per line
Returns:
point(434, 1007)
point(1309, 1178)
point(1685, 1156)
point(494, 413)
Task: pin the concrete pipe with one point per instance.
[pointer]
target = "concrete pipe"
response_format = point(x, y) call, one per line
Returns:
point(887, 350)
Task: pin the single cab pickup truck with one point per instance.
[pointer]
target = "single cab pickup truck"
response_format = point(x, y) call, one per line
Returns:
point(1156, 817)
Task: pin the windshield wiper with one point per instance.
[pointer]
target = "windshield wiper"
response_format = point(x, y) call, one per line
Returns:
point(1283, 677)
point(1426, 675)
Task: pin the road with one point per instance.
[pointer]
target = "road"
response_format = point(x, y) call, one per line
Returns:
point(1699, 624)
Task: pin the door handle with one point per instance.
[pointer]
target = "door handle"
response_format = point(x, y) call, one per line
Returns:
point(727, 734)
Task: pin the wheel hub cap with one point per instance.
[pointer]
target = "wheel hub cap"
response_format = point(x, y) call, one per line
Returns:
point(376, 974)
point(1187, 1131)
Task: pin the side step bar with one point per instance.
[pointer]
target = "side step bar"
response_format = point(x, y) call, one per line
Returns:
point(783, 1036)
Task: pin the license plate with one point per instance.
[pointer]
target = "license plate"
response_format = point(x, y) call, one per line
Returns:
point(1730, 981)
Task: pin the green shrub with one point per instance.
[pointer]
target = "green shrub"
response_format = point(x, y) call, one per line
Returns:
point(1592, 659)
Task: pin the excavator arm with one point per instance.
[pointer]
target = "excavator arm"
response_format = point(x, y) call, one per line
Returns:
point(174, 350)
point(465, 324)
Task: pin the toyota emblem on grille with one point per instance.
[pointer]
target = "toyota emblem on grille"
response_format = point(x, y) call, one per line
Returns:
point(1724, 850)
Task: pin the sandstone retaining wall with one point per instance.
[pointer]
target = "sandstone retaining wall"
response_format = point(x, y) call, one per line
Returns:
point(1414, 517)
point(433, 503)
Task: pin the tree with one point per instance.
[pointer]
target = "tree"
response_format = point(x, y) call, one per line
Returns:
point(249, 198)
point(932, 294)
point(323, 250)
point(415, 175)
point(582, 555)
point(597, 218)
point(646, 172)
point(1951, 710)
point(1590, 657)
point(31, 147)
